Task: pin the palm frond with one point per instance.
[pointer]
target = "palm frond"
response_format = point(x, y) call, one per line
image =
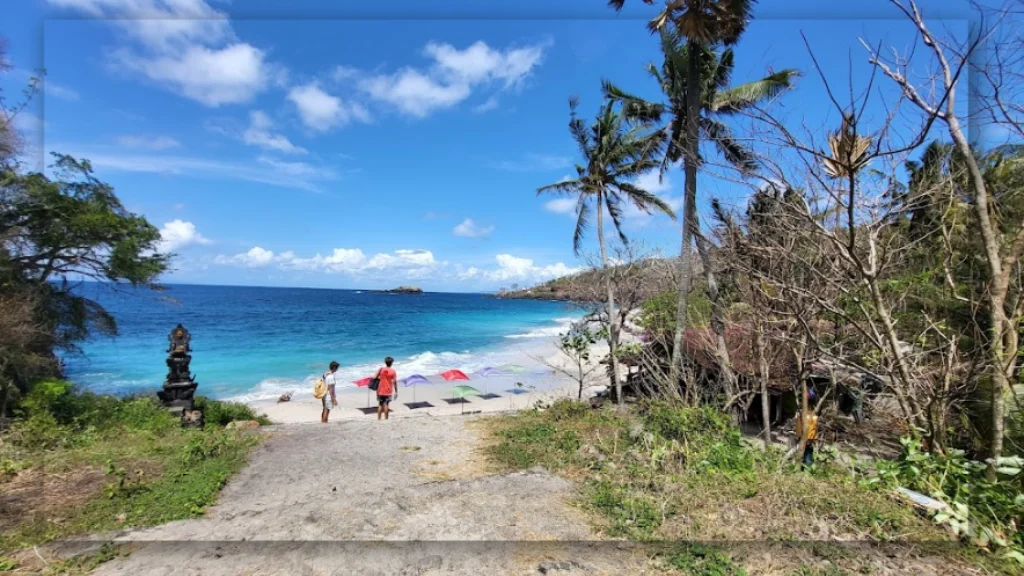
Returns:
point(582, 223)
point(645, 200)
point(734, 152)
point(565, 187)
point(746, 95)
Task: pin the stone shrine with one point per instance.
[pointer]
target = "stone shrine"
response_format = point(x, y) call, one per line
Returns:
point(178, 393)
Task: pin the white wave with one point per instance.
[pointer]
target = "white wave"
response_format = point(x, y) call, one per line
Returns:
point(563, 326)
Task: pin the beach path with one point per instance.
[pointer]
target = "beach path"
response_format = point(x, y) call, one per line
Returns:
point(405, 496)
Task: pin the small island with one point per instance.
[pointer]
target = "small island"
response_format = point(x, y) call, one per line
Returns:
point(404, 290)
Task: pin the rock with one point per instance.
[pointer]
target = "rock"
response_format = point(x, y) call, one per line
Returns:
point(287, 396)
point(242, 425)
point(406, 290)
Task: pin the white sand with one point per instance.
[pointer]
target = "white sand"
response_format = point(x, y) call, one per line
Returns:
point(534, 388)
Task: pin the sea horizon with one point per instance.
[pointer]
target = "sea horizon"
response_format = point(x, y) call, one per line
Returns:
point(256, 342)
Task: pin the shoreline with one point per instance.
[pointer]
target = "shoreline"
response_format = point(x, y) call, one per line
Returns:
point(513, 391)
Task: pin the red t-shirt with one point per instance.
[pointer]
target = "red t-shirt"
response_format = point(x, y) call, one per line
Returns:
point(387, 382)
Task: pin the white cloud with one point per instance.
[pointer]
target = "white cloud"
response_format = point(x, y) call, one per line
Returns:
point(414, 93)
point(520, 269)
point(299, 169)
point(321, 112)
point(535, 163)
point(56, 90)
point(402, 259)
point(184, 45)
point(452, 77)
point(407, 263)
point(265, 170)
point(147, 142)
point(179, 234)
point(256, 257)
point(561, 205)
point(490, 104)
point(469, 229)
point(259, 133)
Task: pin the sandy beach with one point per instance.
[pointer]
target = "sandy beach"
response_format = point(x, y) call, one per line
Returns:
point(542, 382)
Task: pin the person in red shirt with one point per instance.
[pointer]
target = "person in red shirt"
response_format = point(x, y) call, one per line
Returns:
point(386, 389)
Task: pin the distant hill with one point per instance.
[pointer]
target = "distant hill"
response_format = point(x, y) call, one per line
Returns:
point(644, 278)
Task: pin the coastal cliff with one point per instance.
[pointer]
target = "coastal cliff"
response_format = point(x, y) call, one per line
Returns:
point(649, 277)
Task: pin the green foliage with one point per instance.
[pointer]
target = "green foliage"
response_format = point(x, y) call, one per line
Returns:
point(658, 314)
point(698, 560)
point(220, 413)
point(989, 514)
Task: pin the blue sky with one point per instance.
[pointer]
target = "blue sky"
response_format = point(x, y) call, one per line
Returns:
point(344, 144)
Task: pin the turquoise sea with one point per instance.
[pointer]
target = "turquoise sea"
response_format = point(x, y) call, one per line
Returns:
point(253, 343)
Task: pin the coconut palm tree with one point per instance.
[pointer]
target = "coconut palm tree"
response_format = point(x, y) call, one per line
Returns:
point(614, 154)
point(716, 98)
point(702, 23)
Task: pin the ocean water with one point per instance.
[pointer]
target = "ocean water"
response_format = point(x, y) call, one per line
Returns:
point(252, 343)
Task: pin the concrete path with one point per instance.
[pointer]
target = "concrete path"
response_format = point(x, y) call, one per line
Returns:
point(406, 496)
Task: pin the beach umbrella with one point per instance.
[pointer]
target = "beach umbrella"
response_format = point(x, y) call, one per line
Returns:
point(454, 375)
point(487, 373)
point(514, 368)
point(463, 390)
point(365, 383)
point(413, 381)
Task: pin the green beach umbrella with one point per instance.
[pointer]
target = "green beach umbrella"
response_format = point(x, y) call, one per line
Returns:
point(514, 368)
point(463, 390)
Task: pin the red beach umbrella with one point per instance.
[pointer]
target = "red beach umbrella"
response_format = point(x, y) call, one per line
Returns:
point(454, 375)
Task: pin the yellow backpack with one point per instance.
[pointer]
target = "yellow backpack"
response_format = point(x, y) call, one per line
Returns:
point(320, 389)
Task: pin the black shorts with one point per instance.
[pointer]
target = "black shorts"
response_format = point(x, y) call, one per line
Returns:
point(383, 400)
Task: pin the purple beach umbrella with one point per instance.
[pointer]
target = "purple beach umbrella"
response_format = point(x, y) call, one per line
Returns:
point(413, 381)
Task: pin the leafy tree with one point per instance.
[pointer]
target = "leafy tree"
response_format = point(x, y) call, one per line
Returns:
point(56, 232)
point(615, 154)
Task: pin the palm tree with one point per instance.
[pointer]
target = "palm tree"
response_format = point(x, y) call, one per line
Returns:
point(717, 99)
point(615, 154)
point(703, 23)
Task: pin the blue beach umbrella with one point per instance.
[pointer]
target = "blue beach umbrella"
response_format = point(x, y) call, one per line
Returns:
point(488, 371)
point(413, 381)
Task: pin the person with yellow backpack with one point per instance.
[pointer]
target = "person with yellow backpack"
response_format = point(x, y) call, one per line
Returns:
point(323, 388)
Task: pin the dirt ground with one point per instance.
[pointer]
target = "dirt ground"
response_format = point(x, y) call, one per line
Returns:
point(406, 496)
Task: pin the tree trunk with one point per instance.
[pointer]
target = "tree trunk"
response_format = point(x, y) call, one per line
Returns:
point(762, 361)
point(717, 317)
point(612, 332)
point(691, 148)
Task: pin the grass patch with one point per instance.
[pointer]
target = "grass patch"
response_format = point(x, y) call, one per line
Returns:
point(78, 463)
point(659, 473)
point(699, 560)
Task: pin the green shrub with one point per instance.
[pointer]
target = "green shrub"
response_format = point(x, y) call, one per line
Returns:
point(566, 409)
point(143, 413)
point(40, 431)
point(982, 511)
point(687, 424)
point(220, 413)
